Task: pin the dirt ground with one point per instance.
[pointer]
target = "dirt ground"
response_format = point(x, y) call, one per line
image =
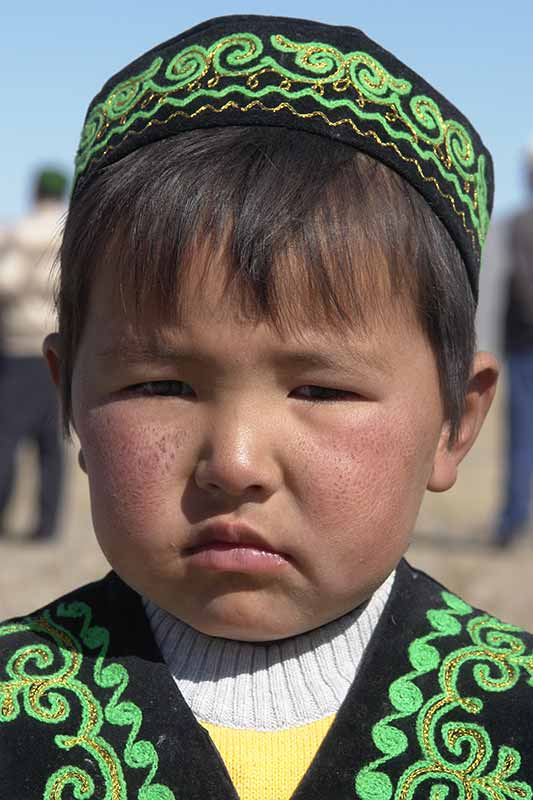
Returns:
point(451, 539)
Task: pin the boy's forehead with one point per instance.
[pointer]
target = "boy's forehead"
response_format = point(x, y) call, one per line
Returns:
point(260, 345)
point(212, 322)
point(208, 289)
point(208, 285)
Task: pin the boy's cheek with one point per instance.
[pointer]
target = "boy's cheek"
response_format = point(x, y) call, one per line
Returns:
point(129, 462)
point(363, 492)
point(367, 464)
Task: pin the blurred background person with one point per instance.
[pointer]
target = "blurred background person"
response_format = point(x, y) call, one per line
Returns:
point(28, 401)
point(518, 356)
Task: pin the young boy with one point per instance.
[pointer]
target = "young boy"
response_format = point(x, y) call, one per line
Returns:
point(266, 348)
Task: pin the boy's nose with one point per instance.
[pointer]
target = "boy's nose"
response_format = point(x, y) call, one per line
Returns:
point(237, 462)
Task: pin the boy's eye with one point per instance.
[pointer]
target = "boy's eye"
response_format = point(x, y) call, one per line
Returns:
point(172, 388)
point(160, 389)
point(319, 394)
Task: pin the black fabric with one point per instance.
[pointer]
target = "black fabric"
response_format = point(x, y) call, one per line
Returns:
point(420, 145)
point(188, 763)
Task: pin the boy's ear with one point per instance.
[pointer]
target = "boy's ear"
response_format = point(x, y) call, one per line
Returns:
point(52, 354)
point(479, 395)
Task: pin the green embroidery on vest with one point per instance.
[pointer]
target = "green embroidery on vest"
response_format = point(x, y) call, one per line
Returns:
point(47, 697)
point(346, 88)
point(497, 657)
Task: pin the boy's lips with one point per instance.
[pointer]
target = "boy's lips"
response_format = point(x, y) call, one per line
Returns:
point(234, 547)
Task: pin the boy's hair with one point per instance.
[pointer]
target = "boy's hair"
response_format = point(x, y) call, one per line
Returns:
point(304, 228)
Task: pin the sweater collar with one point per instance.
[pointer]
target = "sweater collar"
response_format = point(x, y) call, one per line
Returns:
point(267, 686)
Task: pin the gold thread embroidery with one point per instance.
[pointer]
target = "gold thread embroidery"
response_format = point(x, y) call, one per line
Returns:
point(476, 767)
point(57, 709)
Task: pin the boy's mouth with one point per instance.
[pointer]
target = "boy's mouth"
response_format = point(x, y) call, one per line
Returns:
point(233, 547)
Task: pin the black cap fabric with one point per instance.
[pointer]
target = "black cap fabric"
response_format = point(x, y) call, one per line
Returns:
point(328, 80)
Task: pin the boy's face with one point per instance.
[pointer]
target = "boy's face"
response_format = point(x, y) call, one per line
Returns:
point(214, 423)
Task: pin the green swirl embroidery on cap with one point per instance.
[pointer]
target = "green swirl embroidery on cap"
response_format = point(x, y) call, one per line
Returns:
point(353, 84)
point(43, 682)
point(454, 754)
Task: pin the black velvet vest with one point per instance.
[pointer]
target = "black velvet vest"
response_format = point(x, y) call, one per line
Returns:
point(441, 707)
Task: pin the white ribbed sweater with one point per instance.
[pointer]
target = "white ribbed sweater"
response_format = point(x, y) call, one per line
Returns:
point(267, 687)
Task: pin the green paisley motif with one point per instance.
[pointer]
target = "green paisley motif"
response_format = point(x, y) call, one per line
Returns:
point(48, 697)
point(355, 86)
point(454, 754)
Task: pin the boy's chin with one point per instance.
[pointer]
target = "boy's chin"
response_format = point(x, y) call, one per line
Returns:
point(257, 635)
point(248, 629)
point(253, 623)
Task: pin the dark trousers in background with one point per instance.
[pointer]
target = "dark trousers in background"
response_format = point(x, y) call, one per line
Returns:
point(29, 411)
point(516, 510)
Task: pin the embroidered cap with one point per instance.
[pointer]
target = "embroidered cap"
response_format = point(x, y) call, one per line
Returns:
point(328, 80)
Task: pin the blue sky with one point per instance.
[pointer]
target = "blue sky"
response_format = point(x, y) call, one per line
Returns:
point(55, 55)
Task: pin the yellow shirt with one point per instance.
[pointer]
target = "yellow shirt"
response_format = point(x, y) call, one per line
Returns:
point(268, 765)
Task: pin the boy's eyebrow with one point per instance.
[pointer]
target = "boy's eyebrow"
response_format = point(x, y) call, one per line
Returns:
point(141, 352)
point(320, 359)
point(137, 352)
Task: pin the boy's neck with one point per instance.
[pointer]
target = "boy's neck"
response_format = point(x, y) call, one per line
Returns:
point(267, 685)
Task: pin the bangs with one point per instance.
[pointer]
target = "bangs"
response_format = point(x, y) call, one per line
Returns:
point(298, 237)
